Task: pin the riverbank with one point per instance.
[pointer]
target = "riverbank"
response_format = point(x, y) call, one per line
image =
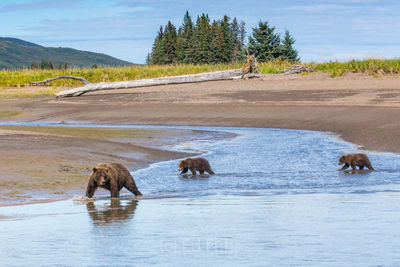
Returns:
point(360, 108)
point(54, 161)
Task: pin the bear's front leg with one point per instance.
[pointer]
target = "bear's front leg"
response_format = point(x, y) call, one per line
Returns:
point(193, 170)
point(91, 189)
point(345, 167)
point(185, 170)
point(114, 189)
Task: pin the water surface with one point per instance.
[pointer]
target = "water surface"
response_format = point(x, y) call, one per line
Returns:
point(277, 199)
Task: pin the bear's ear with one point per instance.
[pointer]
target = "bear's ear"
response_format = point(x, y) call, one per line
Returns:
point(94, 169)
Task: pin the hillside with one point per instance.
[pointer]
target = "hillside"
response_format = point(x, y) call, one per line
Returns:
point(18, 54)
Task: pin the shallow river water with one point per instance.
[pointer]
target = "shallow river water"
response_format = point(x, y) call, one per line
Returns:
point(277, 198)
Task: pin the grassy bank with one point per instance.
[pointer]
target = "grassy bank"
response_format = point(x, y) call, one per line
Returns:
point(376, 67)
point(19, 78)
point(96, 75)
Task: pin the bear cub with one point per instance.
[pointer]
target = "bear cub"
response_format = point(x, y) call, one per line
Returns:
point(361, 160)
point(195, 164)
point(112, 177)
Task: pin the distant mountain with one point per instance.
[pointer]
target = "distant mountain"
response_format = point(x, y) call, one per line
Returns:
point(18, 54)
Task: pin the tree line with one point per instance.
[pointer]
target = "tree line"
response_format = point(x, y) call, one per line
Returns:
point(48, 65)
point(219, 41)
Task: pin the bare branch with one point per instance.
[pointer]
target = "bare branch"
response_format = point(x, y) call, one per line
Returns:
point(61, 77)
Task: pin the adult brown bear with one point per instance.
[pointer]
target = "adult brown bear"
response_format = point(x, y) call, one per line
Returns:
point(361, 160)
point(195, 164)
point(112, 177)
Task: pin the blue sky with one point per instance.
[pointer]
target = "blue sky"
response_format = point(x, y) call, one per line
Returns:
point(324, 30)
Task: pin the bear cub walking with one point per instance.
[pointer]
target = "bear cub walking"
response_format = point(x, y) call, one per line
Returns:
point(195, 164)
point(361, 160)
point(112, 177)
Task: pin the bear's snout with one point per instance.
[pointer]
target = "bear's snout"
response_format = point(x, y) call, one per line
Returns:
point(101, 181)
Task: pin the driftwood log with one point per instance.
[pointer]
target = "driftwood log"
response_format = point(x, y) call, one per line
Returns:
point(250, 70)
point(192, 78)
point(295, 69)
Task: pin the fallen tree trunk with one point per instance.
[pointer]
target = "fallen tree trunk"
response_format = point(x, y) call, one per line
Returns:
point(192, 78)
point(62, 77)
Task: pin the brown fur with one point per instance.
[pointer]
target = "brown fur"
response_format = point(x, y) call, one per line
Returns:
point(195, 164)
point(112, 177)
point(361, 160)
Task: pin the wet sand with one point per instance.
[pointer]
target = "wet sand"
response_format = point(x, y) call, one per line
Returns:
point(361, 109)
point(36, 165)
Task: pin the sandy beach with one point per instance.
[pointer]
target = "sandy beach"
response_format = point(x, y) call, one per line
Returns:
point(361, 109)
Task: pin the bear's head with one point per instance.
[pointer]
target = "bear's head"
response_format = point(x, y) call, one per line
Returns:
point(342, 160)
point(101, 176)
point(182, 165)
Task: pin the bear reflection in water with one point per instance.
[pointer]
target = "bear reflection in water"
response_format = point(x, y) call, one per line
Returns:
point(115, 211)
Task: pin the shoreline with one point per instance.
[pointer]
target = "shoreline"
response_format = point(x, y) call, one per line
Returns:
point(146, 163)
point(57, 165)
point(359, 109)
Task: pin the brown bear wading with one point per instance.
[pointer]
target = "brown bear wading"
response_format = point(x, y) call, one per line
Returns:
point(112, 177)
point(195, 164)
point(353, 160)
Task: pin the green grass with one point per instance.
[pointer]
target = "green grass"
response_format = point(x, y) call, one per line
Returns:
point(375, 67)
point(9, 113)
point(18, 79)
point(25, 94)
point(88, 132)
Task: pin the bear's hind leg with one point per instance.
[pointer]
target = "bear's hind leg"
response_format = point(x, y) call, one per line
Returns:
point(131, 186)
point(209, 171)
point(369, 166)
point(354, 168)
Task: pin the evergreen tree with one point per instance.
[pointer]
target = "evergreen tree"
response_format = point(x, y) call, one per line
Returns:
point(264, 43)
point(218, 45)
point(287, 50)
point(242, 37)
point(148, 58)
point(228, 42)
point(184, 46)
point(34, 65)
point(169, 44)
point(238, 36)
point(157, 52)
point(202, 40)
